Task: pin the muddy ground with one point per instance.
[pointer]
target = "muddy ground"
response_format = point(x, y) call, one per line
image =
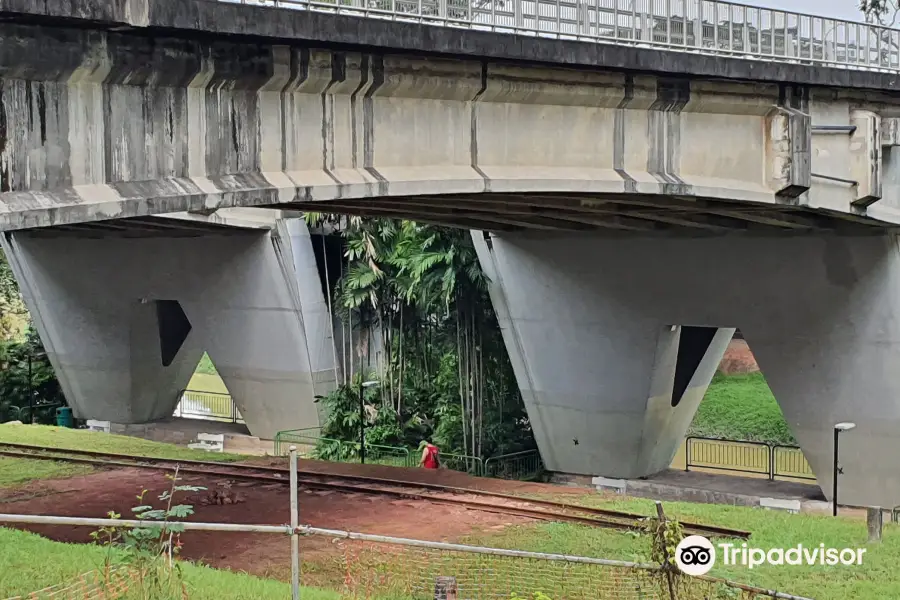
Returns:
point(96, 494)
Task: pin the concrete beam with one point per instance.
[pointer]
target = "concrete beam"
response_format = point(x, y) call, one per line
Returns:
point(111, 125)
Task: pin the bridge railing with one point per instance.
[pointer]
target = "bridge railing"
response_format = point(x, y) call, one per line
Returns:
point(698, 26)
point(211, 406)
point(753, 458)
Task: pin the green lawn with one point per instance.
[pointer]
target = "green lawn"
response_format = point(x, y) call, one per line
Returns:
point(741, 407)
point(82, 439)
point(29, 562)
point(19, 471)
point(876, 578)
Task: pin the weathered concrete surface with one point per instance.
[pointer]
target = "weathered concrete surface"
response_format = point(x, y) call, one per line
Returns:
point(257, 19)
point(119, 355)
point(103, 125)
point(597, 375)
point(587, 321)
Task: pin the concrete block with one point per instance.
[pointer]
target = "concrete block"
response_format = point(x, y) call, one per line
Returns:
point(604, 483)
point(211, 442)
point(790, 505)
point(94, 425)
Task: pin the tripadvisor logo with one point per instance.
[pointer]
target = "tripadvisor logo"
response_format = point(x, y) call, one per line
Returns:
point(696, 555)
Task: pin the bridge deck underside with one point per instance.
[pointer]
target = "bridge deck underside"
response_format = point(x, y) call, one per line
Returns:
point(566, 212)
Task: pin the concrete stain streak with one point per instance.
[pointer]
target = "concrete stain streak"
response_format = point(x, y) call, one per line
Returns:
point(619, 135)
point(369, 122)
point(125, 124)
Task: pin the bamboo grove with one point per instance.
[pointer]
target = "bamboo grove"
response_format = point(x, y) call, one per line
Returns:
point(416, 299)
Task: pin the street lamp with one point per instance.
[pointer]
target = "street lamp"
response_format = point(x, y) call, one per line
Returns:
point(838, 428)
point(362, 419)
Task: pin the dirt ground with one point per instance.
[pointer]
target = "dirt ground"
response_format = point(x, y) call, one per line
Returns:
point(96, 494)
point(738, 359)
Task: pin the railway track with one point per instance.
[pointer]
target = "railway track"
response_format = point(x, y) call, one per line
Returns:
point(473, 499)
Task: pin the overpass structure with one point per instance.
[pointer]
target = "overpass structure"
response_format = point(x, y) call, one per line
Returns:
point(638, 184)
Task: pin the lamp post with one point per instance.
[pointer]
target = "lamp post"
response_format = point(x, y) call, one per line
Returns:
point(362, 419)
point(31, 357)
point(838, 428)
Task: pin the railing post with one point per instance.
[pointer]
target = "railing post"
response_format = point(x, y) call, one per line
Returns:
point(687, 454)
point(772, 463)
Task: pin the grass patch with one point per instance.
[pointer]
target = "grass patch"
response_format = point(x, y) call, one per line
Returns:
point(19, 471)
point(29, 562)
point(877, 577)
point(207, 382)
point(741, 407)
point(206, 366)
point(97, 441)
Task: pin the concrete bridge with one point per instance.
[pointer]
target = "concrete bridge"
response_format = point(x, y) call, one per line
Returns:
point(633, 202)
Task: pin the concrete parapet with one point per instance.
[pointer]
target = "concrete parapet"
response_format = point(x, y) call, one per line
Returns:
point(114, 124)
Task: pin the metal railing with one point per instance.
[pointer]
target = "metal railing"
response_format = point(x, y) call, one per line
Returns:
point(773, 461)
point(211, 406)
point(697, 26)
point(310, 444)
point(523, 465)
point(460, 462)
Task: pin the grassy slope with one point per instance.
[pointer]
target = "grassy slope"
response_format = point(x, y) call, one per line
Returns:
point(741, 407)
point(29, 562)
point(877, 577)
point(80, 439)
point(19, 471)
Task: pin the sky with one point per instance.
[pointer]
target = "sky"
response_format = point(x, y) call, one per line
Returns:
point(837, 9)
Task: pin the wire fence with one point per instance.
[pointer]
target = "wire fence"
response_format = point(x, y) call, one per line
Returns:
point(106, 584)
point(377, 566)
point(311, 445)
point(696, 26)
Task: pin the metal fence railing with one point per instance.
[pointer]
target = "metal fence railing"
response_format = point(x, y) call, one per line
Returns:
point(757, 458)
point(697, 26)
point(462, 463)
point(523, 466)
point(310, 444)
point(213, 406)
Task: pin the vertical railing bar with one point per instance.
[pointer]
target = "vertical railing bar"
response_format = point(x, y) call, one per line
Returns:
point(715, 8)
point(558, 18)
point(668, 21)
point(731, 28)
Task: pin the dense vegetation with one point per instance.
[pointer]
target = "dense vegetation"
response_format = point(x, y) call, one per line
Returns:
point(444, 373)
point(27, 380)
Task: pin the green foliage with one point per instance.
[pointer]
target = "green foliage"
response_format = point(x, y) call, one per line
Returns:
point(206, 366)
point(445, 374)
point(883, 12)
point(665, 536)
point(151, 551)
point(741, 407)
point(20, 387)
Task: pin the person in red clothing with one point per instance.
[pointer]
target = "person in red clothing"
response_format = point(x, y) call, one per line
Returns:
point(430, 455)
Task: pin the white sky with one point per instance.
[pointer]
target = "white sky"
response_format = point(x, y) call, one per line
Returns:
point(838, 9)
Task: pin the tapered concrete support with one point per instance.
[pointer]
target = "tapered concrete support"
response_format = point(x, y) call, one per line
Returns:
point(586, 318)
point(610, 389)
point(126, 320)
